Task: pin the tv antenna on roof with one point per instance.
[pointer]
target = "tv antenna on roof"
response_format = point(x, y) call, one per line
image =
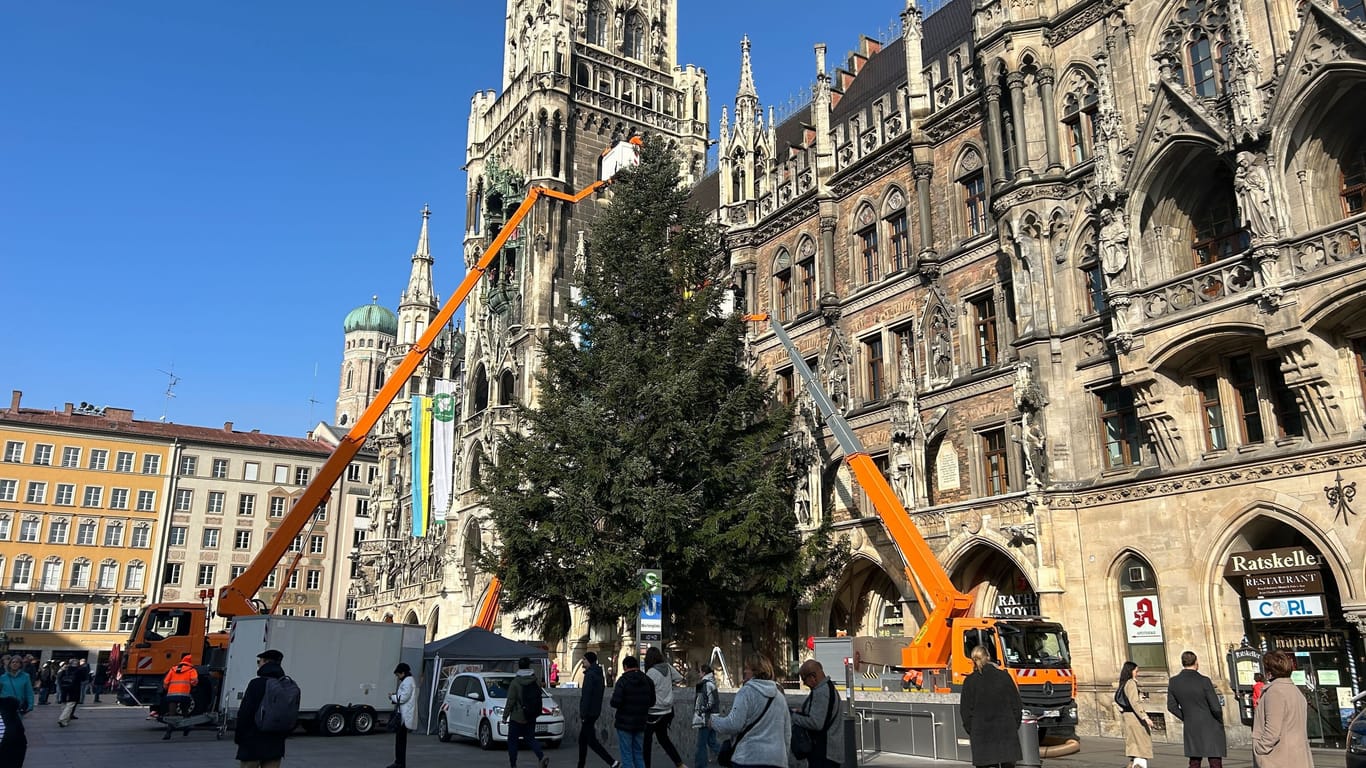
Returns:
point(171, 381)
point(312, 401)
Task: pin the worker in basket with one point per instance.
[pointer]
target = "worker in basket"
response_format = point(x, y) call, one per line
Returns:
point(913, 678)
point(179, 682)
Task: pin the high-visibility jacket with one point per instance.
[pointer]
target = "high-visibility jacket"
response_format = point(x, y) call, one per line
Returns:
point(180, 680)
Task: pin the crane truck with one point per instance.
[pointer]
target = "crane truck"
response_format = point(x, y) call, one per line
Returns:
point(166, 632)
point(1032, 650)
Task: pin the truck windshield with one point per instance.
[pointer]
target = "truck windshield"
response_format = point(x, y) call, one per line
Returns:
point(1041, 645)
point(159, 625)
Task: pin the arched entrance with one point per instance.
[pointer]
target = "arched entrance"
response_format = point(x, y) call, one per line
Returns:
point(867, 603)
point(1278, 589)
point(1002, 588)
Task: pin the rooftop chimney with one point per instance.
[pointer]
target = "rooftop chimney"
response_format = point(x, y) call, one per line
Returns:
point(14, 399)
point(227, 426)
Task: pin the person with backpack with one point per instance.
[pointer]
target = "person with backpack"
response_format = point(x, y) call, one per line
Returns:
point(819, 716)
point(406, 712)
point(520, 711)
point(706, 703)
point(665, 677)
point(590, 709)
point(69, 687)
point(632, 697)
point(260, 739)
point(1138, 740)
point(47, 681)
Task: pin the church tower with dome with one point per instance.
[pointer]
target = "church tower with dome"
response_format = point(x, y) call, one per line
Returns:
point(370, 331)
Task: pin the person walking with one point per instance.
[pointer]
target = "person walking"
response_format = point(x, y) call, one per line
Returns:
point(758, 719)
point(47, 679)
point(706, 703)
point(990, 707)
point(518, 714)
point(1138, 739)
point(179, 682)
point(69, 686)
point(1258, 686)
point(83, 675)
point(1279, 730)
point(632, 696)
point(554, 674)
point(820, 715)
point(590, 709)
point(664, 677)
point(16, 684)
point(13, 741)
point(406, 712)
point(1191, 698)
point(100, 679)
point(257, 748)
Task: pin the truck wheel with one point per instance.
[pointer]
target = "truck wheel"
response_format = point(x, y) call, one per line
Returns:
point(332, 720)
point(443, 730)
point(485, 735)
point(362, 720)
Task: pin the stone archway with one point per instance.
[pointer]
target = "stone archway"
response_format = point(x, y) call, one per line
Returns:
point(998, 583)
point(411, 618)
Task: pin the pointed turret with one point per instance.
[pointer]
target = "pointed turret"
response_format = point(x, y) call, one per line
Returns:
point(747, 97)
point(418, 303)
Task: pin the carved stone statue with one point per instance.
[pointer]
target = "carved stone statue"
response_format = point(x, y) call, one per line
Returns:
point(1114, 243)
point(803, 500)
point(1252, 185)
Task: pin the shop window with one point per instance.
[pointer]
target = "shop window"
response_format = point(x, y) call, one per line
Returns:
point(1119, 426)
point(1142, 617)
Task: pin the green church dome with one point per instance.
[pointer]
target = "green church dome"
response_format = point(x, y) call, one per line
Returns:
point(372, 317)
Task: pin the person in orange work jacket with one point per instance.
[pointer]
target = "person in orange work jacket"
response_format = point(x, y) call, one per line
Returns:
point(179, 681)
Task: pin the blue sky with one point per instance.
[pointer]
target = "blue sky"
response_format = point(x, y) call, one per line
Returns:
point(209, 187)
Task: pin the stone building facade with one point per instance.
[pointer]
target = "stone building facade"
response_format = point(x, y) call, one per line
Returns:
point(1085, 278)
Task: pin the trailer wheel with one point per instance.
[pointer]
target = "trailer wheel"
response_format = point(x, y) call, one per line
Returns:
point(443, 729)
point(332, 720)
point(485, 735)
point(362, 720)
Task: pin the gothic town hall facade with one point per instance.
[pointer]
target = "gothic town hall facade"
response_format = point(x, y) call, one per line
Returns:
point(1084, 276)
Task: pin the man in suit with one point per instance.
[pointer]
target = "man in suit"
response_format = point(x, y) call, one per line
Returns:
point(1191, 698)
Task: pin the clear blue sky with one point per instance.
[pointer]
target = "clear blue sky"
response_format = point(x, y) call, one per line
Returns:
point(214, 185)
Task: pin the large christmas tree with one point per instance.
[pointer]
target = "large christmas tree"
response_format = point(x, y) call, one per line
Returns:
point(651, 445)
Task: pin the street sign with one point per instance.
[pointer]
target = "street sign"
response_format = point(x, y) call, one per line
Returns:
point(650, 619)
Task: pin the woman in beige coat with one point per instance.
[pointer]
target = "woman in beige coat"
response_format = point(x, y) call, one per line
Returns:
point(1280, 738)
point(1138, 740)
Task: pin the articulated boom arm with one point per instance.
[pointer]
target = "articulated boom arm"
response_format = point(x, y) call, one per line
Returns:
point(235, 598)
point(930, 648)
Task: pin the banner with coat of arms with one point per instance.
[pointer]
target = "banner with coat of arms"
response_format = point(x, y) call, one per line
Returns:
point(444, 408)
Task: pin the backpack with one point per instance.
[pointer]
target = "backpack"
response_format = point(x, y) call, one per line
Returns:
point(1122, 700)
point(67, 677)
point(278, 711)
point(531, 700)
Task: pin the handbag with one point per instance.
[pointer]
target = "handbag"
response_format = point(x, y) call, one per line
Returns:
point(395, 722)
point(723, 758)
point(804, 739)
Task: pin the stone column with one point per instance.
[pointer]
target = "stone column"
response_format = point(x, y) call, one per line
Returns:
point(923, 174)
point(1050, 118)
point(1015, 81)
point(827, 255)
point(996, 155)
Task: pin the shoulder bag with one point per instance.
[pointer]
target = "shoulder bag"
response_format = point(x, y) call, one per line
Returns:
point(804, 740)
point(723, 758)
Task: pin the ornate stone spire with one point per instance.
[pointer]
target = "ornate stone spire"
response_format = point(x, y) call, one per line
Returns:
point(746, 72)
point(419, 290)
point(747, 113)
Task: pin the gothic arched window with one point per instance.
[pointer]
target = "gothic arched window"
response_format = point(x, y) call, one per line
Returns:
point(1199, 39)
point(1079, 116)
point(633, 45)
point(1142, 618)
point(597, 23)
point(782, 285)
point(866, 245)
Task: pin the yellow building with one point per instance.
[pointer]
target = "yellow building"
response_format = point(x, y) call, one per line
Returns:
point(80, 503)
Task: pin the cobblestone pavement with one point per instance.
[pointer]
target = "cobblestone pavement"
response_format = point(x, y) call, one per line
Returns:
point(111, 736)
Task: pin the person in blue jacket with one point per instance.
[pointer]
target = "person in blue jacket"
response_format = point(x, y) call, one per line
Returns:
point(16, 684)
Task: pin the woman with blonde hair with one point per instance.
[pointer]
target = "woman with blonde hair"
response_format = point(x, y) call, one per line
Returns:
point(759, 725)
point(991, 708)
point(1138, 740)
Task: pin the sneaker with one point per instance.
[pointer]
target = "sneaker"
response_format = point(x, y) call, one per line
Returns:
point(616, 764)
point(545, 762)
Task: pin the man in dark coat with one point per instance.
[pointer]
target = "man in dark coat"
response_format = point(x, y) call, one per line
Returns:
point(991, 709)
point(254, 748)
point(13, 741)
point(590, 709)
point(1191, 698)
point(632, 697)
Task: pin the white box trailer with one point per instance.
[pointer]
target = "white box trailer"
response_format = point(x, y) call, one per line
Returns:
point(344, 669)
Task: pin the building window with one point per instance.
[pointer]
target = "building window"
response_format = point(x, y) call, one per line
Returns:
point(870, 265)
point(806, 274)
point(241, 540)
point(236, 570)
point(14, 452)
point(281, 474)
point(320, 514)
point(147, 501)
point(99, 459)
point(220, 469)
point(1093, 283)
point(1354, 175)
point(1140, 614)
point(872, 351)
point(58, 530)
point(14, 616)
point(172, 572)
point(1244, 383)
point(293, 581)
point(113, 534)
point(206, 574)
point(9, 490)
point(974, 192)
point(71, 618)
point(297, 544)
point(633, 43)
point(597, 23)
point(314, 581)
point(251, 471)
point(984, 330)
point(178, 535)
point(133, 577)
point(118, 498)
point(216, 499)
point(80, 574)
point(782, 285)
point(151, 464)
point(28, 529)
point(37, 493)
point(353, 472)
point(270, 581)
point(310, 613)
point(277, 506)
point(899, 239)
point(52, 575)
point(99, 618)
point(1216, 230)
point(184, 499)
point(995, 465)
point(1359, 354)
point(123, 462)
point(128, 618)
point(1200, 59)
point(4, 529)
point(42, 455)
point(109, 575)
point(351, 605)
point(1289, 422)
point(22, 578)
point(94, 496)
point(65, 495)
point(302, 475)
point(286, 611)
point(210, 538)
point(142, 536)
point(71, 457)
point(85, 533)
point(246, 504)
point(1119, 424)
point(1079, 122)
point(42, 617)
point(189, 465)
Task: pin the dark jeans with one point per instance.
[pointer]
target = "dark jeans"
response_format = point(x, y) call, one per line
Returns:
point(1214, 762)
point(518, 731)
point(588, 739)
point(401, 745)
point(659, 729)
point(821, 761)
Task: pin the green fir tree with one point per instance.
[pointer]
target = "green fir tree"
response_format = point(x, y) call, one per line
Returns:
point(651, 446)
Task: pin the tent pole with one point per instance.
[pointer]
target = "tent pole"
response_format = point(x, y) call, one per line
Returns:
point(431, 700)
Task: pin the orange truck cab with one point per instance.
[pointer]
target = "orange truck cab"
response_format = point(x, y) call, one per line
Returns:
point(163, 635)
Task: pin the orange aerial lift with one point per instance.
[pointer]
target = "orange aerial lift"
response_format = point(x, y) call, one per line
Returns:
point(1034, 651)
point(164, 632)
